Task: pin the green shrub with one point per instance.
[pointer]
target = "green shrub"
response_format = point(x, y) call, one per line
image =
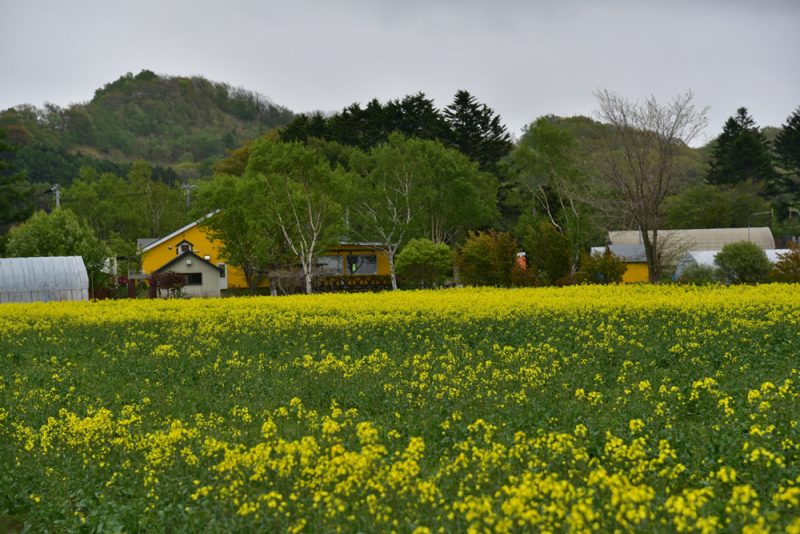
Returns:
point(699, 275)
point(743, 263)
point(423, 263)
point(487, 259)
point(548, 252)
point(597, 268)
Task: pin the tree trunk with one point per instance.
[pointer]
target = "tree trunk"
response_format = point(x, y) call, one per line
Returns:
point(651, 253)
point(392, 274)
point(309, 289)
point(273, 288)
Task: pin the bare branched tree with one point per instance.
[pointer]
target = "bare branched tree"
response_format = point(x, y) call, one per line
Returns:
point(641, 165)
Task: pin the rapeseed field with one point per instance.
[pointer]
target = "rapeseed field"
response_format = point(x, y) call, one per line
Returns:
point(637, 408)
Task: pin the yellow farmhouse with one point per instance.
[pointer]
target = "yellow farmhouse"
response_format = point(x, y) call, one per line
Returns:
point(192, 248)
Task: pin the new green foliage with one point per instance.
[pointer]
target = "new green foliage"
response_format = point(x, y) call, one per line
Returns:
point(487, 259)
point(301, 197)
point(423, 263)
point(742, 263)
point(59, 233)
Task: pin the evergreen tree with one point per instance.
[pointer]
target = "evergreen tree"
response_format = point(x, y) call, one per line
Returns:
point(416, 116)
point(476, 131)
point(16, 193)
point(787, 144)
point(741, 153)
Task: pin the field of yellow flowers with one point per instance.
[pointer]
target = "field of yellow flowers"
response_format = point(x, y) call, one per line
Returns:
point(583, 409)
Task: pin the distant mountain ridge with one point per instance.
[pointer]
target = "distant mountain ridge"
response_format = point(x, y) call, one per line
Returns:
point(179, 122)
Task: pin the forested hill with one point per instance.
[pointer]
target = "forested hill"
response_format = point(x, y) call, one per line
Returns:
point(176, 123)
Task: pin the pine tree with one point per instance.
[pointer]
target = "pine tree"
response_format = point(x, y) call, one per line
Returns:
point(787, 144)
point(16, 192)
point(476, 131)
point(741, 153)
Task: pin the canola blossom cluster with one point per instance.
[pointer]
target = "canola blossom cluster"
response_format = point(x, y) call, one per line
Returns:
point(635, 408)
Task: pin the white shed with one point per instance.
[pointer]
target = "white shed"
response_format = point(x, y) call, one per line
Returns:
point(43, 279)
point(706, 257)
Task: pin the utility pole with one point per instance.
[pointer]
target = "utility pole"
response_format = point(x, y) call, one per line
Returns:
point(188, 188)
point(57, 189)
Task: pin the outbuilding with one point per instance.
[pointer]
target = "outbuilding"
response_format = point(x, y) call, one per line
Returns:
point(201, 278)
point(706, 258)
point(45, 279)
point(634, 258)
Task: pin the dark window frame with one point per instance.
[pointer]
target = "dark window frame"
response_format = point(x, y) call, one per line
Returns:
point(197, 277)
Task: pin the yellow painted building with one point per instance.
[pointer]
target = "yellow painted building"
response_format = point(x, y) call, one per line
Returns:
point(190, 238)
point(345, 260)
point(633, 257)
point(635, 272)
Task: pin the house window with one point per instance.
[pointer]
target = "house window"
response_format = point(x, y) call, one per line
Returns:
point(183, 246)
point(362, 264)
point(223, 270)
point(330, 264)
point(194, 279)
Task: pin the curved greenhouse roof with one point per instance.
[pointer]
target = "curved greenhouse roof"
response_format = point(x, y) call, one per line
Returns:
point(700, 239)
point(43, 279)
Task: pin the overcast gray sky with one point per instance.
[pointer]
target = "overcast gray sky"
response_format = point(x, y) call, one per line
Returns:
point(522, 58)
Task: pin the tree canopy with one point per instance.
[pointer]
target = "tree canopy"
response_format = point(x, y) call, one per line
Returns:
point(59, 233)
point(741, 153)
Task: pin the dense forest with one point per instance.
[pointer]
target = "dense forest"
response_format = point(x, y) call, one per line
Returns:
point(149, 153)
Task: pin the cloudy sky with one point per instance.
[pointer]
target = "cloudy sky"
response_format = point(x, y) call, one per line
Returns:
point(522, 58)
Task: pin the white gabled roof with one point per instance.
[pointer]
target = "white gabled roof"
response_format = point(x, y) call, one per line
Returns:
point(177, 232)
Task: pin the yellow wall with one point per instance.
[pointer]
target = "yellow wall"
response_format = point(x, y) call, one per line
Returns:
point(202, 245)
point(636, 272)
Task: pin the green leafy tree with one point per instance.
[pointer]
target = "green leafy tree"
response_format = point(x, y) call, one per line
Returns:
point(249, 241)
point(487, 259)
point(601, 268)
point(122, 209)
point(410, 187)
point(476, 131)
point(456, 197)
point(741, 153)
point(158, 206)
point(742, 263)
point(423, 263)
point(59, 233)
point(300, 194)
point(386, 195)
point(104, 201)
point(714, 206)
point(548, 253)
point(549, 166)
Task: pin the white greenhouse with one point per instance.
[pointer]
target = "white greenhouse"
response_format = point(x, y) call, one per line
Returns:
point(706, 258)
point(43, 279)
